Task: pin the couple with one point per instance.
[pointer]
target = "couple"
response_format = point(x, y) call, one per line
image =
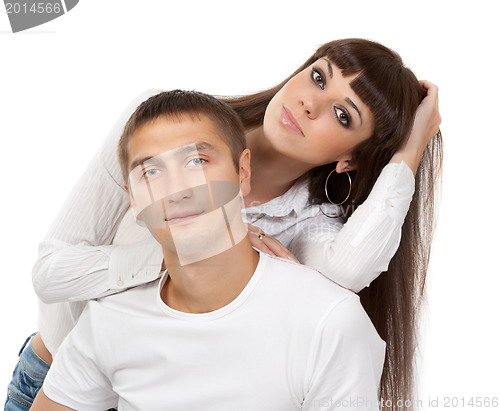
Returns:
point(341, 106)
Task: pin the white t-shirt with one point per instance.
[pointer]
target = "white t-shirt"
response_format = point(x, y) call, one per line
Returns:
point(292, 340)
point(77, 262)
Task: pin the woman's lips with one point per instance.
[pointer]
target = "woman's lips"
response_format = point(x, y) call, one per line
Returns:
point(288, 120)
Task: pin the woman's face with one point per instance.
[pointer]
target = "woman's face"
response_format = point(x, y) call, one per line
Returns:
point(316, 117)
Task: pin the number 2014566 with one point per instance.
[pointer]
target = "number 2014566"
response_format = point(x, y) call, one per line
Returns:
point(478, 402)
point(35, 8)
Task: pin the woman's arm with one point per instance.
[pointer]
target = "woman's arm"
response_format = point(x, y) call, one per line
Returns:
point(355, 253)
point(76, 260)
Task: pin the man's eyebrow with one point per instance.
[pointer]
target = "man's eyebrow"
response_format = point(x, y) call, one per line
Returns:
point(180, 151)
point(351, 103)
point(191, 148)
point(139, 161)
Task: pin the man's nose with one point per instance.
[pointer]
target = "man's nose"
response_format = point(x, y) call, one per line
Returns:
point(178, 196)
point(179, 186)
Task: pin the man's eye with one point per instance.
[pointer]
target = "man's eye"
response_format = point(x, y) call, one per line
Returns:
point(318, 78)
point(151, 172)
point(342, 116)
point(196, 162)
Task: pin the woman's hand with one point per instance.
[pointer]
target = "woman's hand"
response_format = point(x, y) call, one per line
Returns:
point(425, 126)
point(427, 118)
point(268, 244)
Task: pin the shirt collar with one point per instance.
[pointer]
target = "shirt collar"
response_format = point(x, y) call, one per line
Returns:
point(295, 199)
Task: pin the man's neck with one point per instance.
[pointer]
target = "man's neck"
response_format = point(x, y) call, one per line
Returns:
point(209, 284)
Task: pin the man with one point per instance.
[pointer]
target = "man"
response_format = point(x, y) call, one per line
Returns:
point(226, 328)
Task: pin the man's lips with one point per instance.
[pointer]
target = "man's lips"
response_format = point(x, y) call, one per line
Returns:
point(289, 121)
point(179, 218)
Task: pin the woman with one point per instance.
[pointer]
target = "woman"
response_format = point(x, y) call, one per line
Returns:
point(392, 94)
point(353, 104)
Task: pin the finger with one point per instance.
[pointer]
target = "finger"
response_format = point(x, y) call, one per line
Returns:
point(430, 88)
point(422, 84)
point(427, 84)
point(259, 234)
point(253, 229)
point(279, 249)
point(261, 245)
point(268, 244)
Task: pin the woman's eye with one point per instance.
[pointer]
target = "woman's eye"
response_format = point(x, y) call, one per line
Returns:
point(318, 78)
point(151, 172)
point(342, 116)
point(196, 162)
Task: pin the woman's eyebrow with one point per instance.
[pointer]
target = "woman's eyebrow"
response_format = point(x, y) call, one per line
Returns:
point(330, 70)
point(351, 103)
point(347, 99)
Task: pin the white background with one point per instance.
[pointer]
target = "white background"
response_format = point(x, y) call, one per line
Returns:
point(63, 84)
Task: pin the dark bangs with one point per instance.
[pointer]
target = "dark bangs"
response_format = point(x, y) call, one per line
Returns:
point(382, 82)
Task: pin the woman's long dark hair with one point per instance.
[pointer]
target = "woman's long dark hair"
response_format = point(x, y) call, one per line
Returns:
point(392, 93)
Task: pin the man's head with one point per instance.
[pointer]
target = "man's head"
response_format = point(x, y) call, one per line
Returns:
point(184, 160)
point(179, 104)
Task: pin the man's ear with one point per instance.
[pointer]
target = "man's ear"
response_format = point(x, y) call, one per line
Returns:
point(245, 172)
point(346, 164)
point(132, 202)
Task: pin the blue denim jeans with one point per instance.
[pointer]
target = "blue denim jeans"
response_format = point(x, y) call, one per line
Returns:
point(27, 379)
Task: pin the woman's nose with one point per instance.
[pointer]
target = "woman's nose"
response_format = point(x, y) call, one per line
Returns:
point(310, 106)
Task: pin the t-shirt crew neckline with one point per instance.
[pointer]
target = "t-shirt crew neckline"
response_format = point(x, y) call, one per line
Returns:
point(221, 312)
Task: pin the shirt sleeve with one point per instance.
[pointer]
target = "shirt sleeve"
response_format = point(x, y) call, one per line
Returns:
point(355, 253)
point(75, 378)
point(76, 260)
point(347, 361)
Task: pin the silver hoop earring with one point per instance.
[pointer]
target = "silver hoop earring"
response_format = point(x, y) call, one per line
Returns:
point(326, 188)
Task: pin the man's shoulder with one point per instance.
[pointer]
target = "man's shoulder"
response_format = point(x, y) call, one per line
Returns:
point(314, 302)
point(298, 280)
point(132, 300)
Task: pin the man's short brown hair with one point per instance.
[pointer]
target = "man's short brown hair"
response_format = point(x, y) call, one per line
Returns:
point(174, 104)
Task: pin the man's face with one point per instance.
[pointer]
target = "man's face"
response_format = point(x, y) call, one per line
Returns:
point(184, 186)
